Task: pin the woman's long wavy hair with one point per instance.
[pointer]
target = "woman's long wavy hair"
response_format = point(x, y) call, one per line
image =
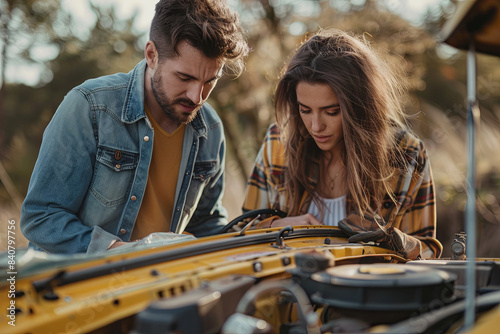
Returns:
point(369, 95)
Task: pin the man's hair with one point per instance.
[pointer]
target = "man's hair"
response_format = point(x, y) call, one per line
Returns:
point(208, 25)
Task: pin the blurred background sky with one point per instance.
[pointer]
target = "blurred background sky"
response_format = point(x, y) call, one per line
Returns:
point(49, 46)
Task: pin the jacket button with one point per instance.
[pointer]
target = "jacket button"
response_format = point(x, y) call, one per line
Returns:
point(133, 198)
point(146, 138)
point(123, 231)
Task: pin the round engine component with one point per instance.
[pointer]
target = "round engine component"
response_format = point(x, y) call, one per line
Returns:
point(380, 293)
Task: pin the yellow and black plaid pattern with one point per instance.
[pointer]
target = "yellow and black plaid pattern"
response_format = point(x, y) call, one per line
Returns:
point(414, 213)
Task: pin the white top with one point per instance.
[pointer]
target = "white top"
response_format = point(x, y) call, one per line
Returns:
point(334, 210)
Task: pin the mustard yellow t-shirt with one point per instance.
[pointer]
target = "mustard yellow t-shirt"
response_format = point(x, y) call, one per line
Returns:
point(156, 209)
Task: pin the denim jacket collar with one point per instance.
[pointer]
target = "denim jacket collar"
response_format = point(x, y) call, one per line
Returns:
point(133, 108)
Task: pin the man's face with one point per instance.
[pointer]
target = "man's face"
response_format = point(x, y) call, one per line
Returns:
point(182, 84)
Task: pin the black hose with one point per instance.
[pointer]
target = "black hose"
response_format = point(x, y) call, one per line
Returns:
point(250, 214)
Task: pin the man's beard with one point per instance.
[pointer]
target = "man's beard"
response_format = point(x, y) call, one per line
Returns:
point(168, 106)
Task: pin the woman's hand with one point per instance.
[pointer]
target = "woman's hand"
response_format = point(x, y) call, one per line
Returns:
point(374, 228)
point(306, 219)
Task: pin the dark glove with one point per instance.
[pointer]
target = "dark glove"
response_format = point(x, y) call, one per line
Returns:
point(372, 228)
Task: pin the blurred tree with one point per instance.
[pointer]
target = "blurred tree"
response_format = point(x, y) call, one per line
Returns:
point(110, 47)
point(245, 104)
point(23, 23)
point(445, 88)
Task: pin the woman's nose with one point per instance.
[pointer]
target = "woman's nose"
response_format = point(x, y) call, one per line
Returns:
point(317, 122)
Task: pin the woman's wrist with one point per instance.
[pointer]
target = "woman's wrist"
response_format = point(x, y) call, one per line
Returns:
point(266, 223)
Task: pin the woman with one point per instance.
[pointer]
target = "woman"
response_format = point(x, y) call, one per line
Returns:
point(341, 154)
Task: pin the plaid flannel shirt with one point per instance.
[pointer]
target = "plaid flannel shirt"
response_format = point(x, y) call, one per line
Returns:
point(415, 213)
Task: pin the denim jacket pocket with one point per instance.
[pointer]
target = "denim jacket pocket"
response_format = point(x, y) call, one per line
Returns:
point(203, 172)
point(113, 175)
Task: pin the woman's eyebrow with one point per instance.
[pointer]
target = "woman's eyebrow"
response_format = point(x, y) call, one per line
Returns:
point(336, 105)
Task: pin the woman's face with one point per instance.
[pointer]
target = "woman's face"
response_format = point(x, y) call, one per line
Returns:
point(320, 111)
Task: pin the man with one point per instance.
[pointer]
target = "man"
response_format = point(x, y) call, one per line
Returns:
point(126, 155)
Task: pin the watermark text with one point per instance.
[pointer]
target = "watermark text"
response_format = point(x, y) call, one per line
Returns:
point(11, 272)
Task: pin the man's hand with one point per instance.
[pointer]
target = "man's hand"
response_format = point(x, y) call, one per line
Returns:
point(117, 244)
point(306, 219)
point(373, 228)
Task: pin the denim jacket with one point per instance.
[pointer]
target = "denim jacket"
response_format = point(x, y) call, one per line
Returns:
point(89, 179)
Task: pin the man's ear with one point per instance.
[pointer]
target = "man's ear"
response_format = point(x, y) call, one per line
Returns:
point(151, 54)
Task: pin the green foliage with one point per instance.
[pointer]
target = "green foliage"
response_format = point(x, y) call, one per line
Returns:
point(27, 110)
